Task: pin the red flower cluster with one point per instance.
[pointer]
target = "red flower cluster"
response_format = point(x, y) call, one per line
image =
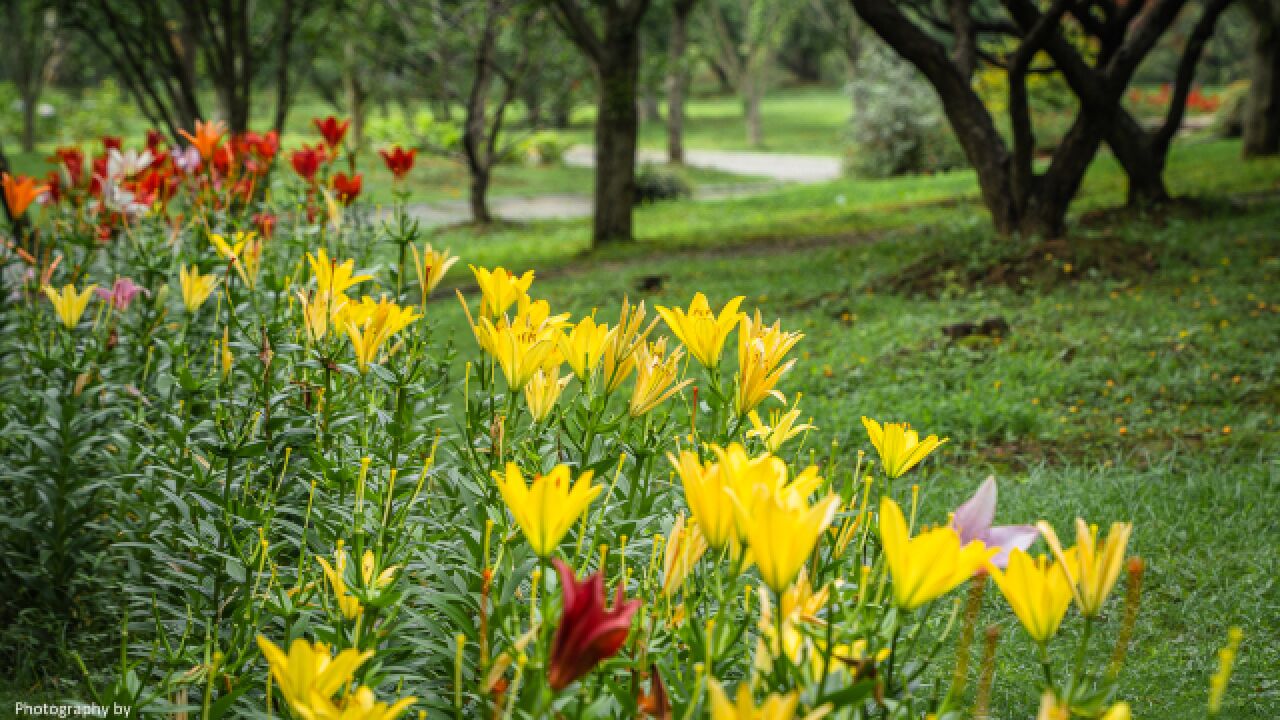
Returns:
point(589, 632)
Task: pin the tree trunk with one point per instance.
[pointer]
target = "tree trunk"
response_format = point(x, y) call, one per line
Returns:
point(1262, 107)
point(479, 196)
point(1143, 166)
point(355, 93)
point(475, 136)
point(29, 108)
point(616, 127)
point(752, 89)
point(677, 79)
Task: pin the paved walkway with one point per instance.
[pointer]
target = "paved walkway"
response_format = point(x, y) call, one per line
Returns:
point(768, 170)
point(783, 167)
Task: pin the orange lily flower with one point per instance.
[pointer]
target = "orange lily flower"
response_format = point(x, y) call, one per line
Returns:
point(19, 193)
point(207, 136)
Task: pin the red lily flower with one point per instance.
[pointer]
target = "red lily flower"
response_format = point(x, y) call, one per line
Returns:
point(154, 140)
point(332, 129)
point(589, 632)
point(53, 183)
point(111, 142)
point(399, 161)
point(306, 162)
point(347, 188)
point(267, 147)
point(72, 158)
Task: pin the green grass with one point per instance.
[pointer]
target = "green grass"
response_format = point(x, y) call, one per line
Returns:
point(808, 120)
point(1149, 397)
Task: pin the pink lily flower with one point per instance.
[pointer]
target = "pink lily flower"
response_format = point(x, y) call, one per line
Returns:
point(973, 519)
point(121, 293)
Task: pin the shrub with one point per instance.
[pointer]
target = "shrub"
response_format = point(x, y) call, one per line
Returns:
point(655, 184)
point(898, 127)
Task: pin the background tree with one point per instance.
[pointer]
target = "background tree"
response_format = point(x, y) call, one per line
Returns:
point(609, 38)
point(743, 35)
point(678, 72)
point(164, 51)
point(475, 55)
point(1018, 196)
point(1262, 109)
point(847, 32)
point(35, 44)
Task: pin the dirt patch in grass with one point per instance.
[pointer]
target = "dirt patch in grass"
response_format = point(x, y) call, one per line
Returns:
point(1039, 266)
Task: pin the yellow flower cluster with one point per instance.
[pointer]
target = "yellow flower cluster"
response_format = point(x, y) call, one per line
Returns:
point(368, 323)
point(767, 513)
point(318, 685)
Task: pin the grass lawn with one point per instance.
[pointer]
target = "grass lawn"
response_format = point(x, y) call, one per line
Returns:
point(808, 120)
point(1138, 390)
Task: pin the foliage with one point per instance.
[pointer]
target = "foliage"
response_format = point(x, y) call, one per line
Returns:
point(899, 127)
point(247, 444)
point(655, 185)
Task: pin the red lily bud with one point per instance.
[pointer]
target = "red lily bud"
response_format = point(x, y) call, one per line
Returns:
point(589, 632)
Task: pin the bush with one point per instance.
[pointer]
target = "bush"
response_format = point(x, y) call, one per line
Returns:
point(654, 184)
point(899, 127)
point(544, 148)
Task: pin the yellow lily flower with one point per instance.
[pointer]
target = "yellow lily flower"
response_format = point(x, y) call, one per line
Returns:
point(701, 331)
point(1052, 709)
point(1038, 592)
point(929, 565)
point(69, 304)
point(1119, 711)
point(360, 705)
point(685, 547)
point(1091, 570)
point(336, 574)
point(546, 509)
point(244, 252)
point(196, 288)
point(761, 349)
point(500, 289)
point(370, 324)
point(317, 311)
point(309, 672)
point(620, 352)
point(525, 344)
point(583, 346)
point(228, 360)
point(900, 448)
point(704, 493)
point(781, 428)
point(782, 536)
point(430, 267)
point(543, 390)
point(656, 374)
point(333, 278)
point(369, 573)
point(775, 707)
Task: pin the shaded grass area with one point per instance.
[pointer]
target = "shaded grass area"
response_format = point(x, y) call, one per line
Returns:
point(1148, 393)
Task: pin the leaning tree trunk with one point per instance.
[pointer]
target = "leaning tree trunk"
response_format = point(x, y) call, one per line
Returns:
point(677, 80)
point(1262, 107)
point(616, 127)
